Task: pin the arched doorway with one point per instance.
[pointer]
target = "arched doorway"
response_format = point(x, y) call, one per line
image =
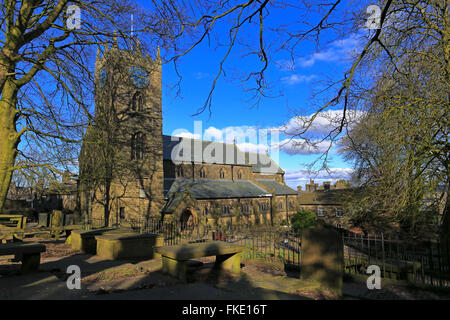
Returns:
point(187, 219)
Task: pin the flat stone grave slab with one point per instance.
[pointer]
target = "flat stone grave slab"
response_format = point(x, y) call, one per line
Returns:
point(116, 245)
point(176, 258)
point(84, 240)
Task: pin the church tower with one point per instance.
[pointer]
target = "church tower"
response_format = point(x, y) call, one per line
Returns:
point(125, 151)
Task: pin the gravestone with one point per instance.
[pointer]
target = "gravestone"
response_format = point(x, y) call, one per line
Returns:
point(44, 219)
point(56, 222)
point(322, 257)
point(69, 219)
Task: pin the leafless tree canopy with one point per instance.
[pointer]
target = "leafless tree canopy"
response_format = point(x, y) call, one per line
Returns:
point(46, 77)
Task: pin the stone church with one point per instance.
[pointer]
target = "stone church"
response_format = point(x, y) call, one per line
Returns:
point(130, 171)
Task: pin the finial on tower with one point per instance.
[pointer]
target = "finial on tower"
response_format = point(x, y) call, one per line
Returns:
point(158, 53)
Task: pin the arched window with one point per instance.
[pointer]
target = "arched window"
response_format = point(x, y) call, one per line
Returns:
point(180, 172)
point(226, 209)
point(239, 174)
point(280, 205)
point(222, 174)
point(203, 172)
point(263, 206)
point(137, 146)
point(137, 103)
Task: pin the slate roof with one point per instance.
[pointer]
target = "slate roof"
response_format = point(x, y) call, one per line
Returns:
point(214, 189)
point(201, 151)
point(172, 203)
point(278, 188)
point(330, 197)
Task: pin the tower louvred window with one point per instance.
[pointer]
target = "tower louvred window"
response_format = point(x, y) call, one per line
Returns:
point(180, 172)
point(137, 103)
point(203, 172)
point(137, 146)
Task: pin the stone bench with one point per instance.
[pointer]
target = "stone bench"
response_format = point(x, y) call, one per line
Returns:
point(84, 241)
point(116, 246)
point(13, 221)
point(176, 258)
point(12, 225)
point(28, 253)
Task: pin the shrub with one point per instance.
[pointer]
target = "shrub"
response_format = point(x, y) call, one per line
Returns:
point(303, 220)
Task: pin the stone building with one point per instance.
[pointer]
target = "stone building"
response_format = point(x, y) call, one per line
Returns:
point(130, 171)
point(42, 198)
point(326, 201)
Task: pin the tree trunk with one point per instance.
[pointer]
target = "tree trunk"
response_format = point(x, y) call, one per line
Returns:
point(445, 228)
point(107, 201)
point(9, 138)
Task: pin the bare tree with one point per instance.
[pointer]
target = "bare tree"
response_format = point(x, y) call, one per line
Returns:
point(47, 49)
point(400, 148)
point(402, 28)
point(49, 112)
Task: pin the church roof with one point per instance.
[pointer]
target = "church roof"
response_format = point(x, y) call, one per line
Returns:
point(276, 187)
point(329, 197)
point(214, 189)
point(202, 151)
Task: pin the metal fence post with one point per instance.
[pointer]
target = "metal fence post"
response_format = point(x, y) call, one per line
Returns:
point(383, 257)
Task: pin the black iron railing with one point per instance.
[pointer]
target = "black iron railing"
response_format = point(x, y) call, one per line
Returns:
point(274, 244)
point(424, 262)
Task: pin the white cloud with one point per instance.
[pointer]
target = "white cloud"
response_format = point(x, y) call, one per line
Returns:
point(213, 134)
point(296, 79)
point(252, 139)
point(253, 148)
point(323, 123)
point(186, 134)
point(336, 51)
point(298, 177)
point(328, 55)
point(247, 138)
point(241, 134)
point(299, 146)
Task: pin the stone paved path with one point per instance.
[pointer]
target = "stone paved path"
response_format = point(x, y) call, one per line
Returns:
point(391, 292)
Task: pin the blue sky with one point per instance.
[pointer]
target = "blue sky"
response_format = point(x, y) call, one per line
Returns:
point(230, 106)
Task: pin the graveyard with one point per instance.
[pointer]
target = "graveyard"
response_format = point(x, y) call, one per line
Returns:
point(260, 150)
point(200, 269)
